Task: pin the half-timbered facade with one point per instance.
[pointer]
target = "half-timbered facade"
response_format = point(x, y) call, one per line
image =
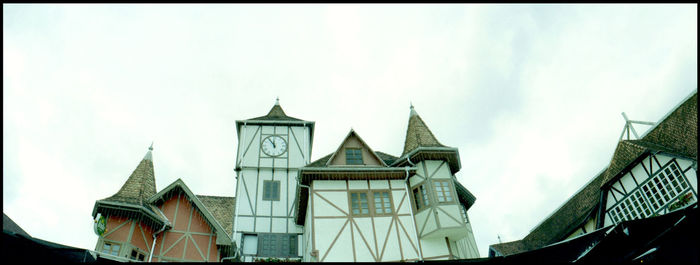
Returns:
point(271, 150)
point(352, 205)
point(171, 225)
point(653, 175)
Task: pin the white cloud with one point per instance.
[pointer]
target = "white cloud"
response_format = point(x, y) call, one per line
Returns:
point(530, 94)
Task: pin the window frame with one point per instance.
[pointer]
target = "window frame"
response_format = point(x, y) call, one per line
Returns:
point(357, 151)
point(359, 203)
point(371, 203)
point(285, 245)
point(421, 197)
point(112, 244)
point(275, 194)
point(652, 196)
point(139, 254)
point(448, 186)
point(389, 198)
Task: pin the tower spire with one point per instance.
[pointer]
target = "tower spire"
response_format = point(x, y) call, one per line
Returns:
point(277, 101)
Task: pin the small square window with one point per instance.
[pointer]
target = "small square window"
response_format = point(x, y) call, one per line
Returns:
point(443, 191)
point(271, 190)
point(382, 203)
point(353, 156)
point(110, 248)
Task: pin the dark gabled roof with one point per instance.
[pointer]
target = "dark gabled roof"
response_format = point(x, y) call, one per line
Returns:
point(418, 134)
point(679, 130)
point(321, 162)
point(222, 208)
point(675, 134)
point(11, 226)
point(465, 197)
point(508, 248)
point(388, 159)
point(277, 114)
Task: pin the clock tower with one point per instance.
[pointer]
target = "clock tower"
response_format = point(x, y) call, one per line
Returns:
point(271, 149)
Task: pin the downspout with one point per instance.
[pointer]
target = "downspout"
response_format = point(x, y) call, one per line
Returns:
point(155, 236)
point(410, 207)
point(235, 214)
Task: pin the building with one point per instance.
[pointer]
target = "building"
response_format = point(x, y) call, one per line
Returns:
point(171, 225)
point(646, 177)
point(352, 205)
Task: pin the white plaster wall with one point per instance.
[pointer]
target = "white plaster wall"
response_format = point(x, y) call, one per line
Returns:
point(397, 184)
point(358, 185)
point(467, 246)
point(445, 220)
point(628, 182)
point(639, 173)
point(329, 185)
point(434, 247)
point(248, 137)
point(323, 208)
point(379, 184)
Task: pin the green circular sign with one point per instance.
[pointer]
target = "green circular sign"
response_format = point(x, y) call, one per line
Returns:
point(100, 225)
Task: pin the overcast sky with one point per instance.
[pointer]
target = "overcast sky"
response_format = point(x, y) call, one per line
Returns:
point(530, 94)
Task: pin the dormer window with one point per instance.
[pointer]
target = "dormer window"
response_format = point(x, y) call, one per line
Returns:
point(353, 156)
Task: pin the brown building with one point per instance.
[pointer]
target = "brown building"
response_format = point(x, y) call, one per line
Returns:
point(171, 225)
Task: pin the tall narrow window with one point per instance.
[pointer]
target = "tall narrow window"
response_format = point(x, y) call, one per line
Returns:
point(353, 156)
point(382, 204)
point(420, 195)
point(359, 203)
point(443, 191)
point(271, 190)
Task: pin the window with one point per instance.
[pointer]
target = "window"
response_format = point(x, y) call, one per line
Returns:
point(250, 244)
point(277, 245)
point(651, 196)
point(353, 156)
point(110, 248)
point(382, 203)
point(420, 194)
point(443, 191)
point(271, 190)
point(137, 255)
point(359, 204)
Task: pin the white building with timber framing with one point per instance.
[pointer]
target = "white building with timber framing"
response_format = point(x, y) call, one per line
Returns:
point(354, 204)
point(652, 175)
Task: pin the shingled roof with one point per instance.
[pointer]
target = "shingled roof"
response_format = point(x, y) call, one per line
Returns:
point(140, 185)
point(276, 113)
point(675, 134)
point(321, 162)
point(222, 208)
point(418, 134)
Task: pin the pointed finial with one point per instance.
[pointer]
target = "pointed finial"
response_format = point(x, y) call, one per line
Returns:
point(413, 111)
point(150, 148)
point(277, 101)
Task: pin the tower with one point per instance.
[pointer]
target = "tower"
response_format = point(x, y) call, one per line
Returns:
point(271, 149)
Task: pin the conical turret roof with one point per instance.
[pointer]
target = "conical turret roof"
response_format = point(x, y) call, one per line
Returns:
point(418, 134)
point(141, 184)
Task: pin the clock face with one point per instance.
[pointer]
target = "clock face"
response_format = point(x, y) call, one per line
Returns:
point(274, 145)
